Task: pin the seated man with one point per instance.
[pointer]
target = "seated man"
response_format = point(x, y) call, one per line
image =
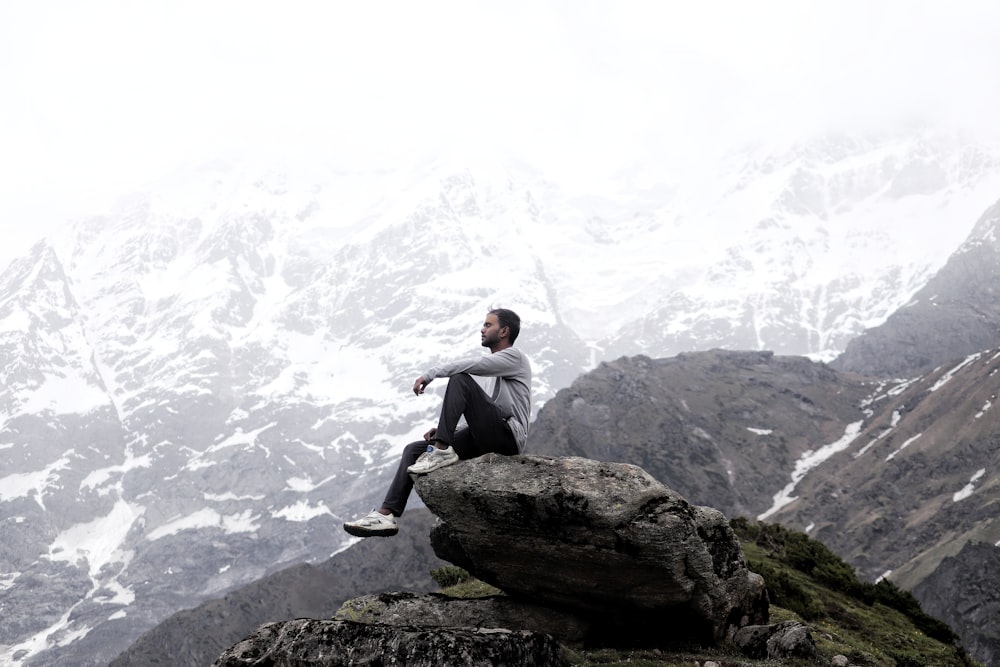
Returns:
point(496, 421)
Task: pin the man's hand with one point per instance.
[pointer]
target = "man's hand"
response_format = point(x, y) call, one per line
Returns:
point(420, 385)
point(430, 434)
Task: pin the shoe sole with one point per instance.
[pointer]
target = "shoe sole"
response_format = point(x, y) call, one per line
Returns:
point(427, 470)
point(361, 531)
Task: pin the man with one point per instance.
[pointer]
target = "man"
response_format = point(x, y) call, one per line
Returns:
point(495, 422)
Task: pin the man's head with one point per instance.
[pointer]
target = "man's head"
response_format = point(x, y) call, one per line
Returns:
point(500, 329)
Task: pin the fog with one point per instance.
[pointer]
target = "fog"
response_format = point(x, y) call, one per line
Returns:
point(101, 96)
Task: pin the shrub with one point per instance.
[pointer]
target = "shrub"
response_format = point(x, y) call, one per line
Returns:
point(450, 576)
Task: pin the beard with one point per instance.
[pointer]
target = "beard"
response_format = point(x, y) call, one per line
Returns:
point(490, 341)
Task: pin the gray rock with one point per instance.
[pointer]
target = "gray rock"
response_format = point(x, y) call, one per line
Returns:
point(305, 642)
point(839, 661)
point(435, 610)
point(789, 639)
point(605, 540)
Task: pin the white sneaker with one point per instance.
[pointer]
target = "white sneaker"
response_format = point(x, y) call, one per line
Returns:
point(374, 524)
point(433, 459)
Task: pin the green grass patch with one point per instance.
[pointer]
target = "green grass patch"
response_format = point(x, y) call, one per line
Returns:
point(457, 583)
point(874, 625)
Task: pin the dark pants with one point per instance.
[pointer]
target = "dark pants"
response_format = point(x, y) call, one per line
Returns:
point(487, 431)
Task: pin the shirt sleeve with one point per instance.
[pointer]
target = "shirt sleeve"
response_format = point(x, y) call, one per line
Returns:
point(500, 364)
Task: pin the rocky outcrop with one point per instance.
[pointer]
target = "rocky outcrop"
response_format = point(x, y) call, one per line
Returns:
point(964, 591)
point(345, 643)
point(586, 554)
point(441, 611)
point(603, 540)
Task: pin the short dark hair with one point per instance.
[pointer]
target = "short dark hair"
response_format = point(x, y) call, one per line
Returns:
point(508, 318)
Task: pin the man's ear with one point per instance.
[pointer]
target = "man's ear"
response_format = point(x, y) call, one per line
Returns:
point(504, 332)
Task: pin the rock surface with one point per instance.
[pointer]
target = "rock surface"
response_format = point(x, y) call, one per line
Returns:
point(789, 639)
point(305, 642)
point(605, 540)
point(435, 610)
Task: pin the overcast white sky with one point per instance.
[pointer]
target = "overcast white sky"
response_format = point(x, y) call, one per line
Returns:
point(101, 95)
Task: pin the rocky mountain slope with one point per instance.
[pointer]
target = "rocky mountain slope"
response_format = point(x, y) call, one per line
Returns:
point(197, 636)
point(956, 313)
point(200, 385)
point(965, 591)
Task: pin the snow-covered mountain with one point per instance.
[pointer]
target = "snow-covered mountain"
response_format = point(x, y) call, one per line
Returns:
point(202, 384)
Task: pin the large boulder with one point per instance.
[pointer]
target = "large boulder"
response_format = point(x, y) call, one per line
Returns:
point(606, 541)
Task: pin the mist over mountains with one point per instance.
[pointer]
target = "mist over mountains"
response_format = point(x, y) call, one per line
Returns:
point(202, 384)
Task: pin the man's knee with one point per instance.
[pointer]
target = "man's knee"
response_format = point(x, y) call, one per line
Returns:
point(413, 450)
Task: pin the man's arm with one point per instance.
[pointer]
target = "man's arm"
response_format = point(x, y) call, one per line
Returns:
point(503, 363)
point(500, 364)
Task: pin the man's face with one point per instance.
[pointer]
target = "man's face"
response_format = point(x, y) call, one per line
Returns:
point(491, 331)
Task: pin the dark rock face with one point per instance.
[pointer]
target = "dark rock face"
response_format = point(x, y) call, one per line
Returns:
point(306, 642)
point(605, 540)
point(435, 610)
point(955, 314)
point(721, 427)
point(964, 591)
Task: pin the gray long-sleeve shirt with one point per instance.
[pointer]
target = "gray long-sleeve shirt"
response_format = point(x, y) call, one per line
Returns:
point(512, 392)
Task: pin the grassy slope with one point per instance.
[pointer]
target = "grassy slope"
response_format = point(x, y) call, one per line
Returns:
point(874, 625)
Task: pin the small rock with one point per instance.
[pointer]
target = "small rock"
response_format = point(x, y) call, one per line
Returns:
point(789, 639)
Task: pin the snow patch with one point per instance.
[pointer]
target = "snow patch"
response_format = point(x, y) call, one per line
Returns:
point(17, 321)
point(23, 484)
point(329, 374)
point(902, 447)
point(302, 511)
point(122, 595)
point(864, 449)
point(760, 431)
point(70, 394)
point(222, 497)
point(98, 542)
point(7, 579)
point(100, 476)
point(304, 484)
point(950, 374)
point(240, 438)
point(207, 518)
point(969, 488)
point(807, 462)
